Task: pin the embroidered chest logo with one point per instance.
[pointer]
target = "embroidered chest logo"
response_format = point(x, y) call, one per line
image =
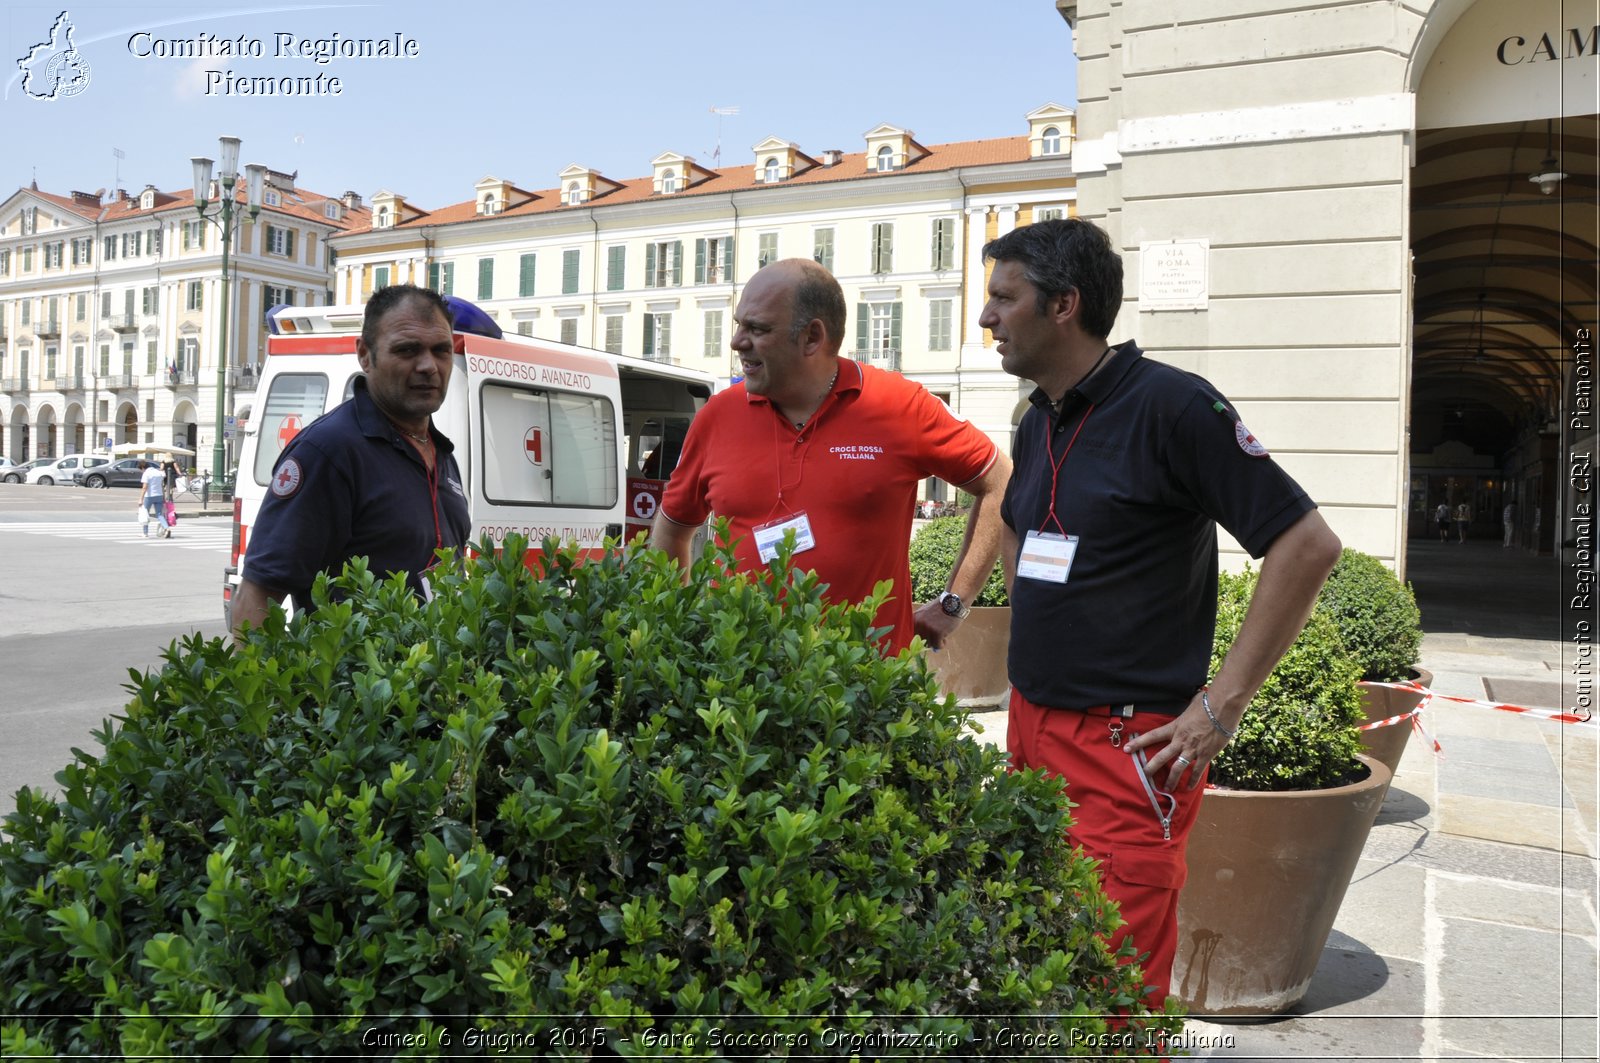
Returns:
point(857, 452)
point(286, 481)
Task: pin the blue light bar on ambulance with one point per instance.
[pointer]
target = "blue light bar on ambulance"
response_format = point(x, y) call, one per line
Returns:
point(286, 320)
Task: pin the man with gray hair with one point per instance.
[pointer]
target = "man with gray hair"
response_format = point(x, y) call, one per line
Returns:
point(832, 450)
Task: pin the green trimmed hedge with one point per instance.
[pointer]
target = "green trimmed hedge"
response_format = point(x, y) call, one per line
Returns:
point(933, 555)
point(676, 810)
point(1299, 732)
point(1376, 614)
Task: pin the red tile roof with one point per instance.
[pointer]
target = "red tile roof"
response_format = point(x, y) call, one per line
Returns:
point(299, 203)
point(939, 157)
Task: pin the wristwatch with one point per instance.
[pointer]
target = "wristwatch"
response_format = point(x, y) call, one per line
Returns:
point(952, 605)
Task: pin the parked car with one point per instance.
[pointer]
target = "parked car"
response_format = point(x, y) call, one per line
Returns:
point(62, 470)
point(124, 472)
point(5, 462)
point(15, 474)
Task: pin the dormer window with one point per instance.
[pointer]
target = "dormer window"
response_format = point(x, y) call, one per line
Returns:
point(271, 198)
point(885, 159)
point(1052, 140)
point(382, 219)
point(147, 199)
point(769, 172)
point(331, 209)
point(574, 195)
point(669, 182)
point(488, 206)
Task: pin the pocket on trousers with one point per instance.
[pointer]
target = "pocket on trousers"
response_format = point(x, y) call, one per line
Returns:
point(1161, 866)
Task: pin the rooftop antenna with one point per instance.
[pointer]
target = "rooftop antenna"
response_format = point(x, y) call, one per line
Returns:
point(721, 113)
point(116, 183)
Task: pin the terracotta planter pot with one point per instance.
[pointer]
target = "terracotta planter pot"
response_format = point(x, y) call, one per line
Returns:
point(1267, 873)
point(972, 665)
point(1388, 743)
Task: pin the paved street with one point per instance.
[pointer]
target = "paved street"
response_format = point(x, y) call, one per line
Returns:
point(83, 598)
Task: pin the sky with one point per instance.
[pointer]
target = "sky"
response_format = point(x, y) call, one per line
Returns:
point(519, 91)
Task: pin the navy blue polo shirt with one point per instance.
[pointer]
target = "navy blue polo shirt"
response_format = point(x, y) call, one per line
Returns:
point(349, 485)
point(1160, 461)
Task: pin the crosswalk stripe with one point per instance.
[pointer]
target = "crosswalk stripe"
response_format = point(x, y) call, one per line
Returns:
point(189, 535)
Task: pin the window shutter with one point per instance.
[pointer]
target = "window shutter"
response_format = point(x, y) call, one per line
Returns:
point(700, 261)
point(943, 243)
point(894, 326)
point(485, 278)
point(433, 275)
point(649, 334)
point(877, 248)
point(569, 272)
point(677, 263)
point(726, 261)
point(127, 302)
point(649, 265)
point(525, 276)
point(666, 335)
point(888, 249)
point(449, 278)
point(616, 268)
point(288, 242)
point(863, 323)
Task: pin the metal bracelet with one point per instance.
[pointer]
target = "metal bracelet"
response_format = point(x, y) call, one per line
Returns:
point(1205, 703)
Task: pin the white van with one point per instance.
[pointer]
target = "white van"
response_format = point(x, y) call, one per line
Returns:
point(551, 439)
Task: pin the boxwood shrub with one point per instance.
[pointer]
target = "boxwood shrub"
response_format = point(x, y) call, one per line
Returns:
point(706, 818)
point(1376, 615)
point(933, 554)
point(1299, 732)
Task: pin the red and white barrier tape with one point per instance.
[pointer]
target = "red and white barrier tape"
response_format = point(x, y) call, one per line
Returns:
point(1415, 716)
point(1523, 710)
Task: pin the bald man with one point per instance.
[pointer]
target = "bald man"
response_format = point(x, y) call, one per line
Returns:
point(832, 450)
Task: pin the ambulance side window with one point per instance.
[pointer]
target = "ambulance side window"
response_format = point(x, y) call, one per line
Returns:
point(547, 448)
point(293, 401)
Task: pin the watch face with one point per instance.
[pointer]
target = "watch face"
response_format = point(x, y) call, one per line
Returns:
point(951, 604)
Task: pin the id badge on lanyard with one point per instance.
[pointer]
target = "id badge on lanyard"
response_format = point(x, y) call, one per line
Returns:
point(1047, 556)
point(770, 536)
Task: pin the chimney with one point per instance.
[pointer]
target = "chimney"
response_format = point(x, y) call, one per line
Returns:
point(87, 199)
point(350, 200)
point(832, 157)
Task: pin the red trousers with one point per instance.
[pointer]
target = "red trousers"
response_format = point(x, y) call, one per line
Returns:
point(1115, 821)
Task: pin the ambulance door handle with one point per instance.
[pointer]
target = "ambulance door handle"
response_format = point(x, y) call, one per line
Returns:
point(613, 531)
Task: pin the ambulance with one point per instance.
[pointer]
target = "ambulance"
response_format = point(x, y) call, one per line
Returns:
point(552, 439)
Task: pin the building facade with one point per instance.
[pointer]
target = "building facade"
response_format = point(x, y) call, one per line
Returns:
point(110, 311)
point(652, 266)
point(1374, 225)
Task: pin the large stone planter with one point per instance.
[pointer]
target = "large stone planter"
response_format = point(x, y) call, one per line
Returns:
point(972, 664)
point(1387, 742)
point(1267, 873)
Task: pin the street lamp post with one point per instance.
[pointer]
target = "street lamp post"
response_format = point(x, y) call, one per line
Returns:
point(222, 218)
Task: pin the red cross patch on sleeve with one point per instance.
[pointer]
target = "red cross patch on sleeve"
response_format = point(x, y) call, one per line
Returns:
point(1247, 442)
point(286, 481)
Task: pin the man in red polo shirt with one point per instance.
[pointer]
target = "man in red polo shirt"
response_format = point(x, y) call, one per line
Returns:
point(832, 450)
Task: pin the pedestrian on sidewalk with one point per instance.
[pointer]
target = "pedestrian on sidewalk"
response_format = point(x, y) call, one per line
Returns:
point(1508, 518)
point(1442, 516)
point(153, 484)
point(1124, 468)
point(1463, 519)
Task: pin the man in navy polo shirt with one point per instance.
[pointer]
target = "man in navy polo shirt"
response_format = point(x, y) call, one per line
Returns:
point(1123, 468)
point(371, 478)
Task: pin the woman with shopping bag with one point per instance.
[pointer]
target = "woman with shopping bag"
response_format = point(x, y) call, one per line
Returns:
point(154, 485)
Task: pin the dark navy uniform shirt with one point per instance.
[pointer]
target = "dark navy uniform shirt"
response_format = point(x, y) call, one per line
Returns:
point(1158, 464)
point(349, 485)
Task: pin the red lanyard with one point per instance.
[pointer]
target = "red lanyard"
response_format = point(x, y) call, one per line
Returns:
point(1055, 466)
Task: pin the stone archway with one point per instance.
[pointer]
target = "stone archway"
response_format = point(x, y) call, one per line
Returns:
point(74, 435)
point(126, 424)
point(1504, 277)
point(18, 436)
point(47, 432)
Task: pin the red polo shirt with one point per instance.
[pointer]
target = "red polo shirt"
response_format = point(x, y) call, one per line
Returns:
point(853, 470)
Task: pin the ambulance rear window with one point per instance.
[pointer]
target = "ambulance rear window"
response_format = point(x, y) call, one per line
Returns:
point(293, 401)
point(548, 448)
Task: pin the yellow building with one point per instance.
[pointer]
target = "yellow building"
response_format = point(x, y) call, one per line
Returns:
point(109, 310)
point(652, 265)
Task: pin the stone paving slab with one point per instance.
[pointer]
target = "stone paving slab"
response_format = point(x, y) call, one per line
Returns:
point(1514, 822)
point(1516, 904)
point(1511, 980)
point(1531, 693)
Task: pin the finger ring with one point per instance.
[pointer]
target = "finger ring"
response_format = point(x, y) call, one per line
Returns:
point(1184, 761)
